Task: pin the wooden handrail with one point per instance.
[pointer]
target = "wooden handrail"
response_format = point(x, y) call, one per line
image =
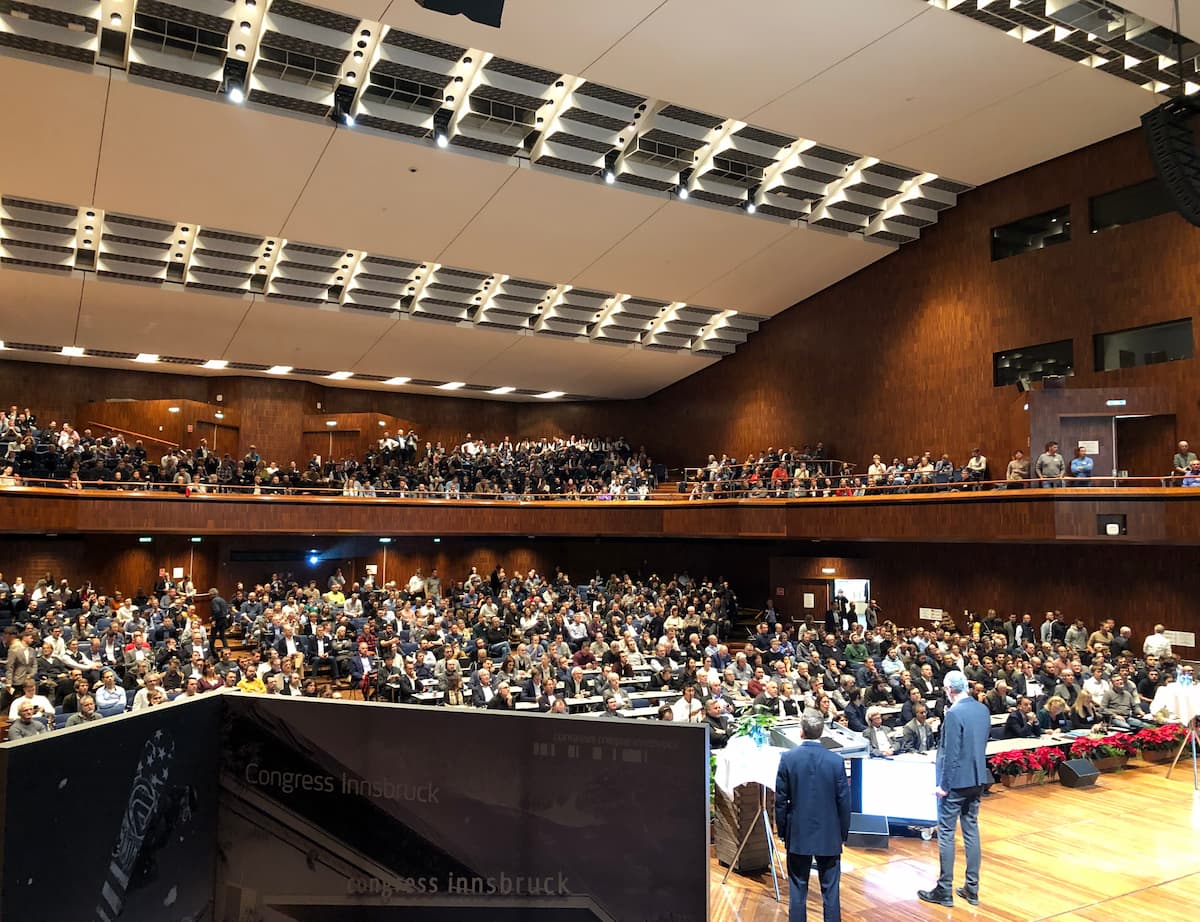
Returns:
point(136, 435)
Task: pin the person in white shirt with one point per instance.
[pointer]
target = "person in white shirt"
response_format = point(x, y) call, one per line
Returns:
point(1098, 685)
point(1158, 645)
point(416, 584)
point(877, 735)
point(40, 703)
point(688, 708)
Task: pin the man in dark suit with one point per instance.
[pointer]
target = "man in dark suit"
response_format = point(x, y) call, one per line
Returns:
point(1022, 723)
point(363, 668)
point(962, 776)
point(812, 814)
point(219, 609)
point(918, 735)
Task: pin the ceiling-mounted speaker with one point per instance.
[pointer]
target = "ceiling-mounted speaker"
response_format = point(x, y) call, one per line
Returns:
point(1173, 151)
point(487, 12)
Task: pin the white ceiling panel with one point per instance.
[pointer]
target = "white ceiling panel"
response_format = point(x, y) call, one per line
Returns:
point(549, 227)
point(282, 333)
point(549, 364)
point(1163, 12)
point(934, 69)
point(790, 270)
point(553, 34)
point(681, 249)
point(39, 307)
point(756, 52)
point(434, 350)
point(122, 317)
point(1062, 114)
point(365, 195)
point(215, 163)
point(43, 157)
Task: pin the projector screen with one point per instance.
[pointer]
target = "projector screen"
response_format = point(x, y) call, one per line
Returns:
point(900, 789)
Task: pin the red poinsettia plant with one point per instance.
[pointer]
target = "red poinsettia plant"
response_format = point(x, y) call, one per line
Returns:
point(1105, 747)
point(1024, 761)
point(1159, 739)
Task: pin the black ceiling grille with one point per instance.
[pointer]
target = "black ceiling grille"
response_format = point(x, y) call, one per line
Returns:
point(207, 234)
point(135, 241)
point(594, 119)
point(610, 95)
point(429, 46)
point(32, 264)
point(522, 71)
point(221, 254)
point(388, 261)
point(946, 185)
point(314, 250)
point(41, 228)
point(29, 205)
point(225, 273)
point(491, 147)
point(692, 117)
point(835, 224)
point(385, 124)
point(575, 140)
point(49, 16)
point(892, 171)
point(464, 274)
point(133, 260)
point(314, 16)
point(144, 279)
point(53, 49)
point(759, 136)
point(508, 97)
point(130, 221)
point(181, 15)
point(661, 136)
point(570, 166)
point(45, 247)
point(831, 154)
point(645, 182)
point(412, 74)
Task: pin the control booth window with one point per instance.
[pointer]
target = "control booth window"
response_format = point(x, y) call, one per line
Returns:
point(1033, 363)
point(1132, 203)
point(1150, 345)
point(1033, 233)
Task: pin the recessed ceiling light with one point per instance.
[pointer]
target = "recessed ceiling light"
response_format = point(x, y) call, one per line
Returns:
point(397, 381)
point(451, 385)
point(73, 351)
point(502, 390)
point(240, 51)
point(245, 27)
point(148, 357)
point(236, 96)
point(341, 375)
point(115, 19)
point(551, 395)
point(215, 364)
point(279, 369)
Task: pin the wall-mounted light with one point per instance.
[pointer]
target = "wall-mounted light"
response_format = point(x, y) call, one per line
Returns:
point(828, 571)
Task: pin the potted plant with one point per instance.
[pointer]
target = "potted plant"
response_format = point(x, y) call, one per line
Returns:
point(1022, 767)
point(1159, 744)
point(755, 726)
point(1106, 753)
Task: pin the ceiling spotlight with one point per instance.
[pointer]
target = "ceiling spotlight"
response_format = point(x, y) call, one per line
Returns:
point(441, 127)
point(610, 167)
point(681, 191)
point(348, 120)
point(358, 55)
point(279, 369)
point(451, 385)
point(751, 195)
point(240, 51)
point(751, 208)
point(115, 19)
point(502, 390)
point(341, 375)
point(236, 95)
point(148, 358)
point(215, 364)
point(74, 352)
point(550, 395)
point(245, 27)
point(397, 381)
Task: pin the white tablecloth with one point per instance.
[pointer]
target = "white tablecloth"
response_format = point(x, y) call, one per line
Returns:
point(743, 762)
point(1182, 701)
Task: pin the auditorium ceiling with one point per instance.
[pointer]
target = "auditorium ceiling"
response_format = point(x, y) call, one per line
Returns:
point(596, 200)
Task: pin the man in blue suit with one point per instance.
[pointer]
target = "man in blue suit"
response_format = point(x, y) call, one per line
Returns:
point(962, 776)
point(812, 814)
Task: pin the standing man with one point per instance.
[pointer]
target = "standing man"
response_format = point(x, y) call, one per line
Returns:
point(1184, 456)
point(961, 777)
point(812, 815)
point(219, 609)
point(1050, 466)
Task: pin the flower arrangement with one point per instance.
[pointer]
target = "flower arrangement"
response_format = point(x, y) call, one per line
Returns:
point(1114, 746)
point(1043, 760)
point(1166, 738)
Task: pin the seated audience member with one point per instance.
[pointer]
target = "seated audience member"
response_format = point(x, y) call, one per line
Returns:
point(877, 735)
point(918, 734)
point(1084, 714)
point(855, 712)
point(1023, 722)
point(687, 708)
point(86, 714)
point(1192, 477)
point(718, 724)
point(26, 725)
point(39, 703)
point(1054, 716)
point(1122, 707)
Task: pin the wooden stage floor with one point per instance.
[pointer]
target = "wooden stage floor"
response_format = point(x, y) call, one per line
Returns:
point(1124, 850)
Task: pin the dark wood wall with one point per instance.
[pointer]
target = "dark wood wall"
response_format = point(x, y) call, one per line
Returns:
point(898, 358)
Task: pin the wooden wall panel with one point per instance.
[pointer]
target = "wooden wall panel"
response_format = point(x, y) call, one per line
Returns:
point(898, 358)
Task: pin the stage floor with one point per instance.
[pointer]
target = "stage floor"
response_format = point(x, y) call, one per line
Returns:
point(1126, 849)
